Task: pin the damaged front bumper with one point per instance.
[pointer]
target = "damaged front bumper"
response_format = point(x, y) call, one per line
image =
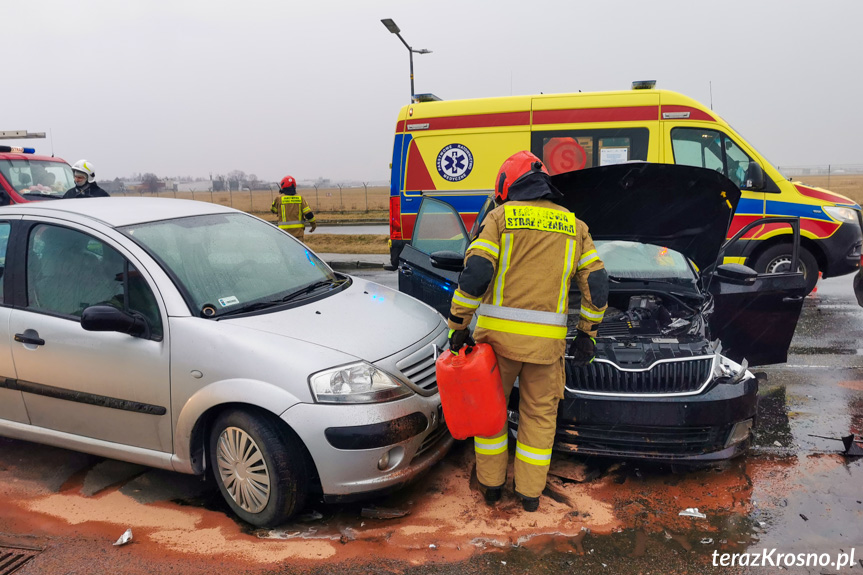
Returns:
point(711, 426)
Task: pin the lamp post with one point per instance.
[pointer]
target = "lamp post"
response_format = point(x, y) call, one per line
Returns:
point(391, 26)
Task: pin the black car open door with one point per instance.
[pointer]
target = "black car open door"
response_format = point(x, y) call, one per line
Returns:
point(429, 266)
point(755, 314)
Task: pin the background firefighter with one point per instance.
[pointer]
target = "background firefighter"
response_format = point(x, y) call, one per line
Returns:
point(516, 279)
point(292, 209)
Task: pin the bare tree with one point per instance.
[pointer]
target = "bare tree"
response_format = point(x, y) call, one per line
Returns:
point(150, 183)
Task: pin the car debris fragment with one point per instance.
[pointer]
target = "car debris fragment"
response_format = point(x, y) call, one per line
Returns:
point(692, 512)
point(124, 538)
point(383, 513)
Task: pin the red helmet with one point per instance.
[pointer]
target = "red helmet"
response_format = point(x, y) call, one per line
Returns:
point(288, 182)
point(513, 169)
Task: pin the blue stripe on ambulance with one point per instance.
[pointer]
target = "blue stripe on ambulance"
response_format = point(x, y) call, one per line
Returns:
point(400, 154)
point(792, 209)
point(462, 204)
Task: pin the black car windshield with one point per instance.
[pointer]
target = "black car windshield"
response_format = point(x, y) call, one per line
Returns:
point(231, 261)
point(638, 261)
point(38, 178)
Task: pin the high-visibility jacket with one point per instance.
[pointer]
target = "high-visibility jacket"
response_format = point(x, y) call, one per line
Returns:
point(529, 252)
point(293, 211)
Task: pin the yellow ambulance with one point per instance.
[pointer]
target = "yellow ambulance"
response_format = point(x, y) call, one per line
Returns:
point(452, 150)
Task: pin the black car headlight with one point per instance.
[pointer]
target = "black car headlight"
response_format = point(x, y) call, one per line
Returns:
point(731, 371)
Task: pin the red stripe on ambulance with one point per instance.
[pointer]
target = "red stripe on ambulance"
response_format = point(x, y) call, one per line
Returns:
point(625, 114)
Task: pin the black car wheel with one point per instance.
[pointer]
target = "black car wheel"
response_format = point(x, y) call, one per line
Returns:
point(258, 467)
point(858, 287)
point(777, 259)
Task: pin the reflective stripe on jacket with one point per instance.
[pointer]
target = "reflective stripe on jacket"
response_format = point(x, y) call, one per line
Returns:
point(536, 249)
point(292, 211)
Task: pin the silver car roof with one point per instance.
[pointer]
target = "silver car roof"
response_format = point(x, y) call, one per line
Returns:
point(117, 212)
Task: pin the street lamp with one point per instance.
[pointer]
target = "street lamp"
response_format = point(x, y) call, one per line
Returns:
point(392, 27)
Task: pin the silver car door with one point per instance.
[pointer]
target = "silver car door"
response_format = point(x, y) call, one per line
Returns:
point(103, 385)
point(11, 399)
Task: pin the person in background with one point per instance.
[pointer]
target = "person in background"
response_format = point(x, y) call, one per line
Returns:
point(85, 182)
point(292, 209)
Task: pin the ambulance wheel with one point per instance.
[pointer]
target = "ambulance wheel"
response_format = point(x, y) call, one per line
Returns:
point(258, 465)
point(777, 259)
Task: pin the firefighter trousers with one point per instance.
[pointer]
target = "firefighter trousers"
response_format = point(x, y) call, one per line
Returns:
point(540, 390)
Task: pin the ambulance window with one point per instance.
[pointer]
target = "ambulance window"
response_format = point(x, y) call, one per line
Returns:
point(570, 150)
point(710, 149)
point(438, 227)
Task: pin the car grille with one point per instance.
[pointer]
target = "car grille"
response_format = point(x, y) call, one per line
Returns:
point(419, 368)
point(602, 376)
point(431, 440)
point(639, 440)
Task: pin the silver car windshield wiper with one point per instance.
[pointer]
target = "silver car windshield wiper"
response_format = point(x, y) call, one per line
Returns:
point(282, 300)
point(310, 288)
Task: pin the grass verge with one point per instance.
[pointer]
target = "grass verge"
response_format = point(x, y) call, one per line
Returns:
point(347, 243)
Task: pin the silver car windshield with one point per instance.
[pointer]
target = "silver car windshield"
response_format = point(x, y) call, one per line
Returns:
point(635, 260)
point(224, 263)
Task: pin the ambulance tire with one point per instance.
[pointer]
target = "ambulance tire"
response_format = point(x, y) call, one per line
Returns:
point(259, 466)
point(776, 259)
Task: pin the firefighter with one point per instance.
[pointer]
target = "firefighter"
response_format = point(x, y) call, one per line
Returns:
point(85, 182)
point(516, 279)
point(292, 209)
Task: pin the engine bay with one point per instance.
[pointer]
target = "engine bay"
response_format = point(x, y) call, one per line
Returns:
point(649, 315)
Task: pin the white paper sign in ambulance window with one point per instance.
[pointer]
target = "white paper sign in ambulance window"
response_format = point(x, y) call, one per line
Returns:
point(611, 156)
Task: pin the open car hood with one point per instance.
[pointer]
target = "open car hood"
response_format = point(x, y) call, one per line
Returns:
point(679, 207)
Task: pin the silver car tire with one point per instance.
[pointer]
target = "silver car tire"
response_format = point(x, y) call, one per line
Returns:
point(258, 466)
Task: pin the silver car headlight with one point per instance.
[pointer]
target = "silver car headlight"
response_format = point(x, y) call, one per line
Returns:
point(842, 214)
point(358, 382)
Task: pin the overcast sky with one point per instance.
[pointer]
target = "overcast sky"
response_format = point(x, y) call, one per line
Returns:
point(193, 87)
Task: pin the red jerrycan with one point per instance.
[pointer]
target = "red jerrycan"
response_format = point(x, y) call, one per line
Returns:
point(471, 392)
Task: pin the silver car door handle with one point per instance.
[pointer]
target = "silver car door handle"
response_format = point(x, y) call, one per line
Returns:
point(406, 270)
point(792, 299)
point(21, 338)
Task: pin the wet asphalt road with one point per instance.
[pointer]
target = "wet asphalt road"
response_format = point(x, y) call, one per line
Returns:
point(794, 493)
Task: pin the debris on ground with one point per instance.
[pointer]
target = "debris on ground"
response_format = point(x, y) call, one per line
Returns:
point(383, 513)
point(707, 541)
point(692, 512)
point(124, 538)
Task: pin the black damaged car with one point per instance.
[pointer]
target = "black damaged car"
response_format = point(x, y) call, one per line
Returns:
point(671, 379)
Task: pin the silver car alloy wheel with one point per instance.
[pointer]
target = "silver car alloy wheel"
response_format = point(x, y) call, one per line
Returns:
point(243, 470)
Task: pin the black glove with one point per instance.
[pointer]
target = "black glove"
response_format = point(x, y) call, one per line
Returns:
point(582, 349)
point(459, 338)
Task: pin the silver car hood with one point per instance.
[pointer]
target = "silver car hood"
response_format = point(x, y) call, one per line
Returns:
point(366, 320)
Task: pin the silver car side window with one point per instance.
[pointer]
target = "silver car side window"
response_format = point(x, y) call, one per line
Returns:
point(68, 271)
point(4, 241)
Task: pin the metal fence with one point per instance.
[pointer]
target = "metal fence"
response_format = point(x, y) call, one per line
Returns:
point(364, 199)
point(821, 170)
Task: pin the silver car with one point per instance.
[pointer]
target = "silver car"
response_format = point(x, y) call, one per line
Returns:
point(193, 337)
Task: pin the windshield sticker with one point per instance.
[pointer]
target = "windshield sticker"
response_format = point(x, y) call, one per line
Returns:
point(611, 156)
point(454, 163)
point(226, 301)
point(536, 218)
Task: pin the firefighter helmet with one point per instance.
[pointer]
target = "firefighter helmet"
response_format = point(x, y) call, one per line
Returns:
point(85, 168)
point(513, 169)
point(288, 182)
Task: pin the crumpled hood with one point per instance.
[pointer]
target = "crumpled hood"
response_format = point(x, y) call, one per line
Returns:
point(679, 207)
point(367, 320)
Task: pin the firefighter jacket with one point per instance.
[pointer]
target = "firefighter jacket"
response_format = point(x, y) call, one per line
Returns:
point(517, 278)
point(293, 211)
